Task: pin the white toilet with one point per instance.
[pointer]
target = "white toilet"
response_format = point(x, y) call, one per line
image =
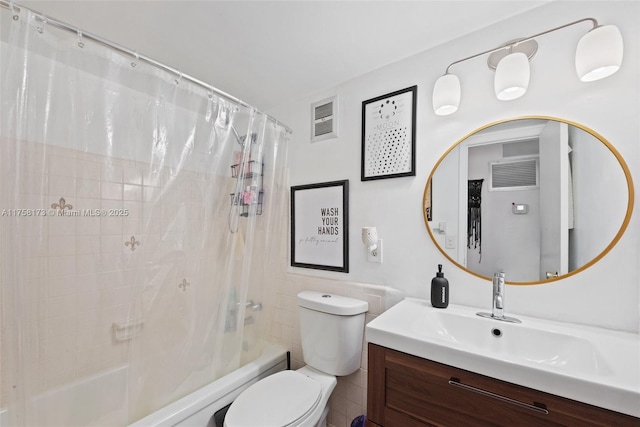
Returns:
point(331, 327)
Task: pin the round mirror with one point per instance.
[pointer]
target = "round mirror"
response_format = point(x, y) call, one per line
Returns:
point(539, 198)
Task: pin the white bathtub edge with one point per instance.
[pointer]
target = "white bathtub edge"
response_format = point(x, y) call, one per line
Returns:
point(224, 390)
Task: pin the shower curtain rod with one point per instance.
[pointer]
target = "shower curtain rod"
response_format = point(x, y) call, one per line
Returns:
point(14, 7)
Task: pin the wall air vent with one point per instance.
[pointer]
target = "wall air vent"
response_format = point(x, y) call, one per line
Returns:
point(324, 119)
point(514, 175)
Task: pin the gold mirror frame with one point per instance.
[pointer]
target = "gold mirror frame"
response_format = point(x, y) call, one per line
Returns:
point(606, 250)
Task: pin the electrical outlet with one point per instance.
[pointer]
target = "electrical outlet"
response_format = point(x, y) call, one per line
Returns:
point(450, 242)
point(377, 256)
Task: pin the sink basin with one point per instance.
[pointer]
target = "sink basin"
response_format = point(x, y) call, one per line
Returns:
point(588, 364)
point(526, 343)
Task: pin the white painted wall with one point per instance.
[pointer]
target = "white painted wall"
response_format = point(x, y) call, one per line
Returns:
point(446, 198)
point(599, 213)
point(607, 294)
point(509, 242)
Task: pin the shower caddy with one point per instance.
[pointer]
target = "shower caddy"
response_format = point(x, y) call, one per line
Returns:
point(251, 198)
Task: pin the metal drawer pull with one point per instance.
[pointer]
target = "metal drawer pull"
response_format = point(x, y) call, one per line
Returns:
point(456, 382)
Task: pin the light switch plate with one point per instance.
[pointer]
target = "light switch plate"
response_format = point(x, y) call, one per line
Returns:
point(450, 242)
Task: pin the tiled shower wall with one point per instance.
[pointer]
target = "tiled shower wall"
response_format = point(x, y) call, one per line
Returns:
point(349, 399)
point(75, 265)
point(80, 271)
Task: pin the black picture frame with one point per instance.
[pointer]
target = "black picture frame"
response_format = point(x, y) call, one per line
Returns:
point(320, 226)
point(389, 135)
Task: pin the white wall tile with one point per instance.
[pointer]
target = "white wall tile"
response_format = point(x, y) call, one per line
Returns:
point(87, 169)
point(132, 193)
point(61, 286)
point(111, 191)
point(112, 173)
point(62, 246)
point(62, 186)
point(132, 175)
point(60, 225)
point(87, 264)
point(62, 266)
point(87, 188)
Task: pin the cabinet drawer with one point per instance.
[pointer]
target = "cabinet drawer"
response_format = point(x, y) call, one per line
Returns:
point(405, 390)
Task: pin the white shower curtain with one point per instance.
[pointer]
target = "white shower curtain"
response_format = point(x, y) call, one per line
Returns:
point(140, 212)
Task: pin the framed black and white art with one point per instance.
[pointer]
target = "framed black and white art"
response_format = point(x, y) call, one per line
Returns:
point(320, 226)
point(389, 135)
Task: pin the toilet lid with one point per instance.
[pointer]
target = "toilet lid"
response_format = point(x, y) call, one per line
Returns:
point(278, 400)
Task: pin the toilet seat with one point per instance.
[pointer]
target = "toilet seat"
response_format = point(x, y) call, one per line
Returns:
point(282, 399)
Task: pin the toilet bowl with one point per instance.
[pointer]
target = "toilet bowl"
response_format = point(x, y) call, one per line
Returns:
point(331, 328)
point(288, 398)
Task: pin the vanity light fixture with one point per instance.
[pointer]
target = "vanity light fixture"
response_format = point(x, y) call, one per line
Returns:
point(598, 55)
point(512, 76)
point(446, 95)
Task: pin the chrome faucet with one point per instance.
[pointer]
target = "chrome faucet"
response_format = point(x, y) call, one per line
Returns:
point(497, 310)
point(497, 307)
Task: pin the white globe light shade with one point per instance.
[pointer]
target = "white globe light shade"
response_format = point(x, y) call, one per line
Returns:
point(599, 53)
point(446, 95)
point(512, 76)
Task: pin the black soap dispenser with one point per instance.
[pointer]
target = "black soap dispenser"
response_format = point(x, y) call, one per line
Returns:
point(439, 290)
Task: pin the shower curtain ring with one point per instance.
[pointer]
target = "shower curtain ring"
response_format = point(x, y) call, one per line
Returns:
point(80, 42)
point(13, 11)
point(177, 81)
point(134, 63)
point(40, 29)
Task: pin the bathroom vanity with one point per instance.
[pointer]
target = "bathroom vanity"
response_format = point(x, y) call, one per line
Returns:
point(404, 390)
point(430, 367)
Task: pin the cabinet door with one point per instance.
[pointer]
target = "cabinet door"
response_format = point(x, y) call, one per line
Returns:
point(408, 391)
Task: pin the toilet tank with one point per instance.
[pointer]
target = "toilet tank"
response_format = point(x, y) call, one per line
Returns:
point(331, 329)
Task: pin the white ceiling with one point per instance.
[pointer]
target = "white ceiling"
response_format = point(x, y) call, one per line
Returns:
point(268, 52)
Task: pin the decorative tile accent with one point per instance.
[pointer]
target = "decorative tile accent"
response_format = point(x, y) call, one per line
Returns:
point(132, 243)
point(62, 205)
point(184, 285)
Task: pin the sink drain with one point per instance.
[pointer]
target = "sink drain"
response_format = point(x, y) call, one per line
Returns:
point(496, 332)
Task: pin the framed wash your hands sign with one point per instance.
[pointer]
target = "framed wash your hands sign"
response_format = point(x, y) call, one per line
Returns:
point(320, 226)
point(389, 135)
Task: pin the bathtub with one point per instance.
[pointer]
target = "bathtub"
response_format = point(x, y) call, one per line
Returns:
point(78, 404)
point(74, 405)
point(197, 408)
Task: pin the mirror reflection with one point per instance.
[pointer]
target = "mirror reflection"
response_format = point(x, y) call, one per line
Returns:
point(538, 198)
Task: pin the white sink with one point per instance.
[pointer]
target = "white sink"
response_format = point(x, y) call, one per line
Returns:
point(588, 364)
point(527, 342)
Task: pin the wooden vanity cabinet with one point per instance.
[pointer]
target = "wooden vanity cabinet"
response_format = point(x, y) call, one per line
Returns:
point(408, 391)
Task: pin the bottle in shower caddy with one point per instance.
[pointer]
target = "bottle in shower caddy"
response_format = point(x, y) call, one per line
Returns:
point(439, 290)
point(249, 195)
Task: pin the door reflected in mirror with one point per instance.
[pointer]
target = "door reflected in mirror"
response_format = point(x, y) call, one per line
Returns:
point(539, 198)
